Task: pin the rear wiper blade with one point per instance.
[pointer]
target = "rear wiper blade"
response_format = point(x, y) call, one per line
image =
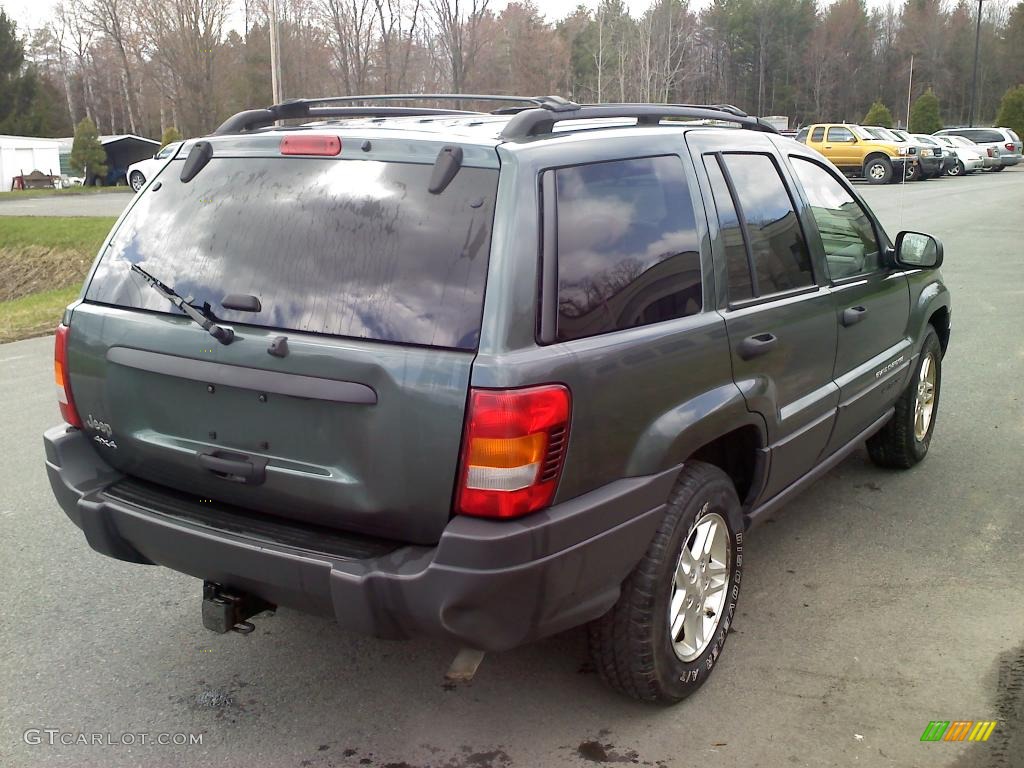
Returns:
point(221, 334)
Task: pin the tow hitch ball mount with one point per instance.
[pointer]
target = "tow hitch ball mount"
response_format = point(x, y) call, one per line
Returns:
point(226, 610)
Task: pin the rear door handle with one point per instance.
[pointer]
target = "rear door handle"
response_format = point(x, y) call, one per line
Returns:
point(236, 467)
point(755, 346)
point(853, 315)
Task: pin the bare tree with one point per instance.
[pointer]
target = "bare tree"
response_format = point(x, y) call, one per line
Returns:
point(184, 36)
point(458, 27)
point(397, 28)
point(113, 18)
point(352, 40)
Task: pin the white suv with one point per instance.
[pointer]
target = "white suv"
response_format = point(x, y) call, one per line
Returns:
point(1006, 143)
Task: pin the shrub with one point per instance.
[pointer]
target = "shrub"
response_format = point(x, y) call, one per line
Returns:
point(87, 155)
point(879, 114)
point(924, 115)
point(1011, 110)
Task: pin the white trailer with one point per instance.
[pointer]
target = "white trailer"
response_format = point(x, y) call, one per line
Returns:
point(24, 154)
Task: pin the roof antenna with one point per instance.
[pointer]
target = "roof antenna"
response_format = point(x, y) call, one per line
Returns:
point(448, 163)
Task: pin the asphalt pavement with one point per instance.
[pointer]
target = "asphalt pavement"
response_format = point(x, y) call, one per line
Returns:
point(88, 204)
point(876, 602)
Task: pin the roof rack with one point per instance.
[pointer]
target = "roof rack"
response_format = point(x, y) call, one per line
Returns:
point(251, 119)
point(540, 121)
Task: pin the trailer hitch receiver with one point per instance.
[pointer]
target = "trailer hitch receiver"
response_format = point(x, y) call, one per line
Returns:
point(225, 610)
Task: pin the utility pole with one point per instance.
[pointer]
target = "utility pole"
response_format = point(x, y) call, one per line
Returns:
point(974, 75)
point(910, 89)
point(275, 55)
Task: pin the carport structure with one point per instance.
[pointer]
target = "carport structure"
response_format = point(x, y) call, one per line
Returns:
point(122, 150)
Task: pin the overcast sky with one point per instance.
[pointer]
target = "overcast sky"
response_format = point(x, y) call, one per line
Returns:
point(32, 13)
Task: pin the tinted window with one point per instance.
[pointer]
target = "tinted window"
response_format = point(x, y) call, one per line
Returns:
point(801, 135)
point(840, 134)
point(846, 232)
point(737, 268)
point(346, 247)
point(979, 135)
point(781, 260)
point(818, 135)
point(628, 252)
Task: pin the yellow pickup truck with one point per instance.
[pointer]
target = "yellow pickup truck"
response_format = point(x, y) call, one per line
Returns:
point(857, 153)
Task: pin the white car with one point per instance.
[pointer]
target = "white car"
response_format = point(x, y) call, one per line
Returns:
point(972, 156)
point(140, 172)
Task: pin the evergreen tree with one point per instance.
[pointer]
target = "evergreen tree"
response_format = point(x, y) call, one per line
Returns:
point(879, 114)
point(1011, 110)
point(87, 155)
point(171, 135)
point(924, 114)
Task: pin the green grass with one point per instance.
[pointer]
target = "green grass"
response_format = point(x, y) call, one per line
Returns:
point(34, 315)
point(42, 263)
point(21, 194)
point(79, 233)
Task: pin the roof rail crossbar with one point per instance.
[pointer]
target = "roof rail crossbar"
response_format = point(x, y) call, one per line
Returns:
point(299, 108)
point(536, 122)
point(537, 101)
point(252, 119)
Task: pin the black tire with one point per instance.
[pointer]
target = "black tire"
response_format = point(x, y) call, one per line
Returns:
point(956, 170)
point(896, 445)
point(999, 168)
point(631, 645)
point(136, 181)
point(874, 175)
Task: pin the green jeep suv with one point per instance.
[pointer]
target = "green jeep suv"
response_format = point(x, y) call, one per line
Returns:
point(487, 376)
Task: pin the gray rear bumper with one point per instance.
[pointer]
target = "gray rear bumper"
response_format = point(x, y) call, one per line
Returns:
point(491, 585)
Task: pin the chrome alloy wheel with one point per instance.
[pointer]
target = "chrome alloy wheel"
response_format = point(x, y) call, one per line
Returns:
point(924, 404)
point(699, 587)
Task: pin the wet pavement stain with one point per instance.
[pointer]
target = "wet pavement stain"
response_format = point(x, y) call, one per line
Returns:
point(1005, 748)
point(596, 752)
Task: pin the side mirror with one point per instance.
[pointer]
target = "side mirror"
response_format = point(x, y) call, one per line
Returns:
point(916, 250)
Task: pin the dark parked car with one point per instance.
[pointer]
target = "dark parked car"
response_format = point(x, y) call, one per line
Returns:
point(488, 376)
point(929, 161)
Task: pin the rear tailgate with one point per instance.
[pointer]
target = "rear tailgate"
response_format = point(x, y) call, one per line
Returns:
point(377, 286)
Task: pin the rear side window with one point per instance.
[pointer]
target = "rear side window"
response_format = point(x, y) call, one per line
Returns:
point(818, 135)
point(776, 242)
point(980, 135)
point(627, 247)
point(738, 278)
point(353, 248)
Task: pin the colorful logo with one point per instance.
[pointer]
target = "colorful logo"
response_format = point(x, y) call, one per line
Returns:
point(958, 730)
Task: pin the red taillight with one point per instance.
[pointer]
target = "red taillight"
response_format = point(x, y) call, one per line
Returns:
point(63, 381)
point(1010, 147)
point(513, 450)
point(310, 145)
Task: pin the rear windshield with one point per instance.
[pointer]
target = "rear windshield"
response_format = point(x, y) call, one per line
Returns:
point(353, 248)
